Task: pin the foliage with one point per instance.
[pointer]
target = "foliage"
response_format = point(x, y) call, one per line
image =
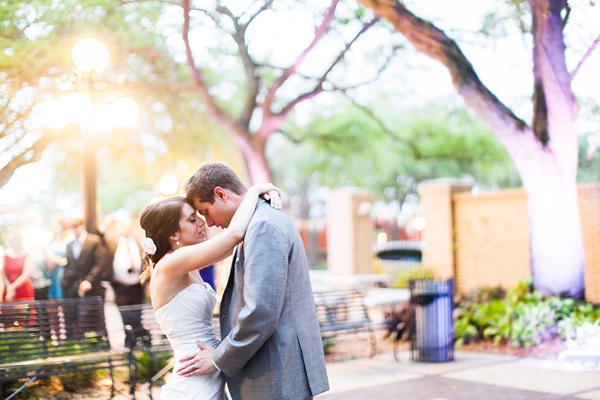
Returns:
point(519, 316)
point(589, 158)
point(55, 387)
point(328, 342)
point(405, 276)
point(171, 136)
point(79, 381)
point(343, 146)
point(147, 366)
point(585, 337)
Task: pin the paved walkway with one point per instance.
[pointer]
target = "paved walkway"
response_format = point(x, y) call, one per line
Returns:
point(471, 376)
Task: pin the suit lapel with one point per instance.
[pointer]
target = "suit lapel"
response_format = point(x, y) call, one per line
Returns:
point(229, 294)
point(83, 253)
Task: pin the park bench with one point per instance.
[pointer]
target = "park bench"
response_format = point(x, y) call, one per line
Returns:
point(342, 312)
point(54, 337)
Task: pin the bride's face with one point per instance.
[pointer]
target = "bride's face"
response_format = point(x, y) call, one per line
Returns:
point(191, 227)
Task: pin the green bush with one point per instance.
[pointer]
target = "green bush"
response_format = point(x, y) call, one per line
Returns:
point(519, 316)
point(145, 369)
point(79, 381)
point(328, 343)
point(412, 274)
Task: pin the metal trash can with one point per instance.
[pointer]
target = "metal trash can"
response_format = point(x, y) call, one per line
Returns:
point(431, 306)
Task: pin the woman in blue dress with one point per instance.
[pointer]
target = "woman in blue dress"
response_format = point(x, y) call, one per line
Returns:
point(56, 254)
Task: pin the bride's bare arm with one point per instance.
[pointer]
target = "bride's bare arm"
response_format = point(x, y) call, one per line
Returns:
point(203, 254)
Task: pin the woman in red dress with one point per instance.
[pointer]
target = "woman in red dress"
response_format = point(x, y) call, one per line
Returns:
point(17, 267)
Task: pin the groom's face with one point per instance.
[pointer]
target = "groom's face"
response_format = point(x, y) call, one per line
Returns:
point(215, 214)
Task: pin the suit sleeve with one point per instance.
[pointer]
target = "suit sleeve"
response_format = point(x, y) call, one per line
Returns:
point(101, 268)
point(265, 278)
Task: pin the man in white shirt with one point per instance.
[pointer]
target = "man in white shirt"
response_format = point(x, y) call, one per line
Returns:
point(126, 259)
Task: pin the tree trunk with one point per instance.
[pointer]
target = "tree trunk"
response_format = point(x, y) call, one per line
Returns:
point(253, 153)
point(545, 154)
point(557, 262)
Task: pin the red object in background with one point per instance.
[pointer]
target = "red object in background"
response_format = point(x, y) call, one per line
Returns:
point(303, 228)
point(13, 268)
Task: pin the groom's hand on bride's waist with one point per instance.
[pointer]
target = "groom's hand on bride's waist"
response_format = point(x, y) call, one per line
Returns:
point(200, 363)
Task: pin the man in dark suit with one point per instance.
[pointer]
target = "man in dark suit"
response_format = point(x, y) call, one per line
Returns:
point(86, 268)
point(87, 264)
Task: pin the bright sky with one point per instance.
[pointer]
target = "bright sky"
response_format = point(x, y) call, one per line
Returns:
point(503, 66)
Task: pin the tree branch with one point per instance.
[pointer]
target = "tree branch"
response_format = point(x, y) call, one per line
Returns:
point(252, 79)
point(379, 72)
point(319, 85)
point(200, 85)
point(433, 42)
point(264, 7)
point(413, 148)
point(320, 32)
point(585, 57)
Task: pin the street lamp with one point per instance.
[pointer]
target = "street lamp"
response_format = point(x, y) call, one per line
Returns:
point(90, 56)
point(168, 185)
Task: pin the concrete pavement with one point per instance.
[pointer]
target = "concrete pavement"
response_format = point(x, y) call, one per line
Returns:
point(471, 376)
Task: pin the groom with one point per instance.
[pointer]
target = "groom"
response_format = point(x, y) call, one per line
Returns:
point(271, 344)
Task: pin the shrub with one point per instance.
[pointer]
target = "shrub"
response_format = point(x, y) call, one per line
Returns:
point(328, 343)
point(146, 369)
point(519, 316)
point(412, 274)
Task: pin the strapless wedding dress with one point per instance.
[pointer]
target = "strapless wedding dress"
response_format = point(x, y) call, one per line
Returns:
point(186, 319)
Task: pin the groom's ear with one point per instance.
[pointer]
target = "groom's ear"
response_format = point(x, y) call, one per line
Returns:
point(220, 194)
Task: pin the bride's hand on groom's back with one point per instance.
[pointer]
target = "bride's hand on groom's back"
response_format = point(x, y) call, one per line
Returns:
point(274, 198)
point(270, 193)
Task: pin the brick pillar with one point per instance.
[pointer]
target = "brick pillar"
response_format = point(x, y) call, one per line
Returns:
point(438, 235)
point(589, 209)
point(349, 231)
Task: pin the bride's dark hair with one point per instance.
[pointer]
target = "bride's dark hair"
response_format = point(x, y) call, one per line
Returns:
point(160, 220)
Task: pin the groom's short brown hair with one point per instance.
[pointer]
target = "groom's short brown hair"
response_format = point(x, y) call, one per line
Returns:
point(207, 177)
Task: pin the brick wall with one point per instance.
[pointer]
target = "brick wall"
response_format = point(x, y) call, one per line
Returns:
point(484, 240)
point(491, 239)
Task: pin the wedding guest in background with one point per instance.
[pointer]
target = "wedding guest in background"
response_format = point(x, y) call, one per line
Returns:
point(18, 265)
point(125, 258)
point(36, 239)
point(84, 272)
point(87, 264)
point(56, 254)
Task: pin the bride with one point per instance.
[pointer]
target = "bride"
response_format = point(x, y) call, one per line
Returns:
point(175, 249)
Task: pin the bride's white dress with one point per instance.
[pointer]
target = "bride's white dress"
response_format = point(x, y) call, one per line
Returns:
point(186, 319)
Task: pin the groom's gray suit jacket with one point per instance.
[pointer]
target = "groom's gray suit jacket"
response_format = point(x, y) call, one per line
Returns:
point(271, 345)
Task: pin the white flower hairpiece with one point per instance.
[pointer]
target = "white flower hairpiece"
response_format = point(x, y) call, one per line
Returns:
point(148, 245)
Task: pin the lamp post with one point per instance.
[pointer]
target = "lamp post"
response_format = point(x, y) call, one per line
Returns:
point(90, 56)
